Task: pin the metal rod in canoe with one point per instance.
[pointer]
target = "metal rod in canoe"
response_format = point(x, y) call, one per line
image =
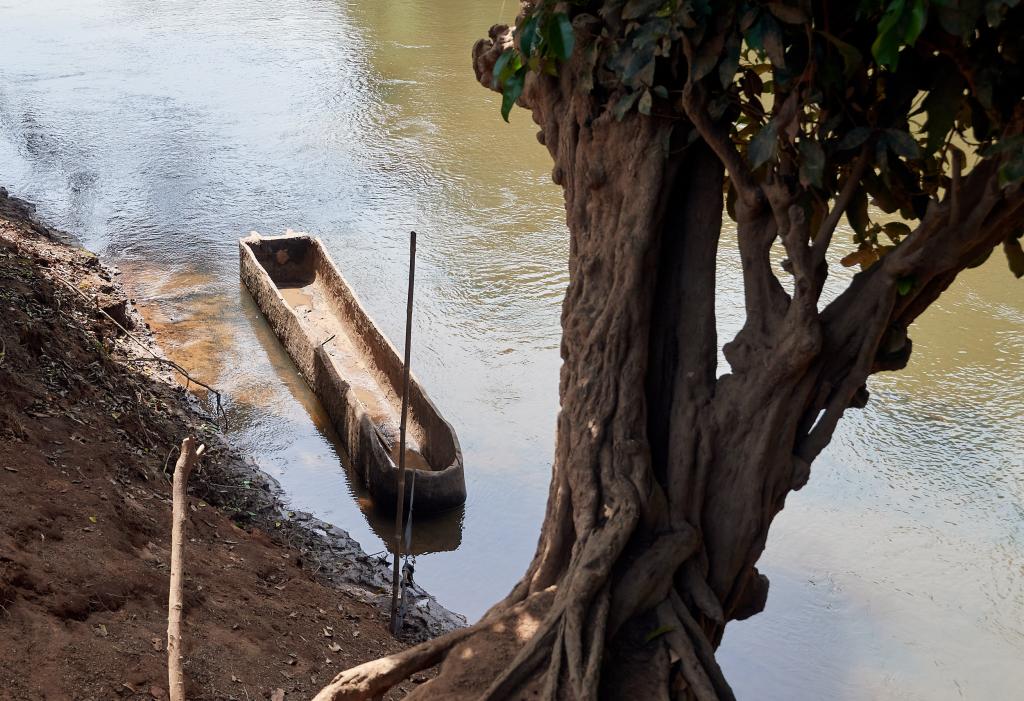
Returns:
point(396, 619)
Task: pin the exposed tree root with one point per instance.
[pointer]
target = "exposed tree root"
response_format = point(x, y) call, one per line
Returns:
point(370, 679)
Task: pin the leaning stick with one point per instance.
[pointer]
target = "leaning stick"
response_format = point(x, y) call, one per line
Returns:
point(396, 617)
point(187, 460)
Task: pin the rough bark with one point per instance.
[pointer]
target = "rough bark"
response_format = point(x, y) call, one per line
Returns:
point(666, 476)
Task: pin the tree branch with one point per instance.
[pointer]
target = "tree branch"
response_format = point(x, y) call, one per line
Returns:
point(721, 144)
point(955, 184)
point(694, 103)
point(823, 237)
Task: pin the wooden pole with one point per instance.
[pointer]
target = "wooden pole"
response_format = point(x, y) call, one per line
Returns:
point(187, 460)
point(396, 622)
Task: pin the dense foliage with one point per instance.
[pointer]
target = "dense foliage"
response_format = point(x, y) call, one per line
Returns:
point(903, 95)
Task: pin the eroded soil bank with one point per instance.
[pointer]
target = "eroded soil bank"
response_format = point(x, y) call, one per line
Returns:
point(88, 434)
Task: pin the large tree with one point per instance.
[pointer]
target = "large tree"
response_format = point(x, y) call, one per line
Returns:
point(903, 116)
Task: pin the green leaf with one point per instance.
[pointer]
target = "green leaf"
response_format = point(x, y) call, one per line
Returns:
point(857, 212)
point(902, 143)
point(707, 57)
point(882, 193)
point(853, 138)
point(950, 19)
point(901, 24)
point(772, 37)
point(1011, 171)
point(639, 8)
point(658, 632)
point(500, 67)
point(511, 90)
point(915, 25)
point(904, 285)
point(650, 32)
point(1014, 256)
point(790, 14)
point(624, 104)
point(560, 36)
point(896, 230)
point(640, 66)
point(644, 105)
point(852, 58)
point(865, 257)
point(886, 46)
point(942, 105)
point(754, 33)
point(764, 146)
point(1002, 146)
point(529, 35)
point(731, 62)
point(812, 162)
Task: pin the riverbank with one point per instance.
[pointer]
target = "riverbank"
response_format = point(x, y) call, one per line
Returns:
point(89, 429)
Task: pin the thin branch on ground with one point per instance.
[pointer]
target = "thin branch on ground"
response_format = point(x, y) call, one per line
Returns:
point(156, 358)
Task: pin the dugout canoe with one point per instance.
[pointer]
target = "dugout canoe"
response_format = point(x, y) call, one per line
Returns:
point(354, 370)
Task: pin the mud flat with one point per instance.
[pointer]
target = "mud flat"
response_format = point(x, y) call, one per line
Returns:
point(89, 428)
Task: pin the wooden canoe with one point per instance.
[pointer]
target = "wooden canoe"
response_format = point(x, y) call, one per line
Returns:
point(354, 370)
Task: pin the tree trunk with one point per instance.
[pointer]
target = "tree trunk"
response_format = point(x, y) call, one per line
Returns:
point(665, 479)
point(667, 476)
point(649, 541)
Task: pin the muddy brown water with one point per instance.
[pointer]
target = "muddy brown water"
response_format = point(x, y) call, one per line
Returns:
point(162, 132)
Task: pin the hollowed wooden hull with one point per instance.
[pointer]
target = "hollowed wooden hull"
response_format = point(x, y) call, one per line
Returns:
point(353, 369)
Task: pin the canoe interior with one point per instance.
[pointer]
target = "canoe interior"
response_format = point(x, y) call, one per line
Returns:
point(363, 362)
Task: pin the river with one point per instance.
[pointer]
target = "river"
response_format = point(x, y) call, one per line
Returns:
point(160, 132)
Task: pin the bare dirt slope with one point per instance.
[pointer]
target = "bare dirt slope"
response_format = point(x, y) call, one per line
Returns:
point(85, 439)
